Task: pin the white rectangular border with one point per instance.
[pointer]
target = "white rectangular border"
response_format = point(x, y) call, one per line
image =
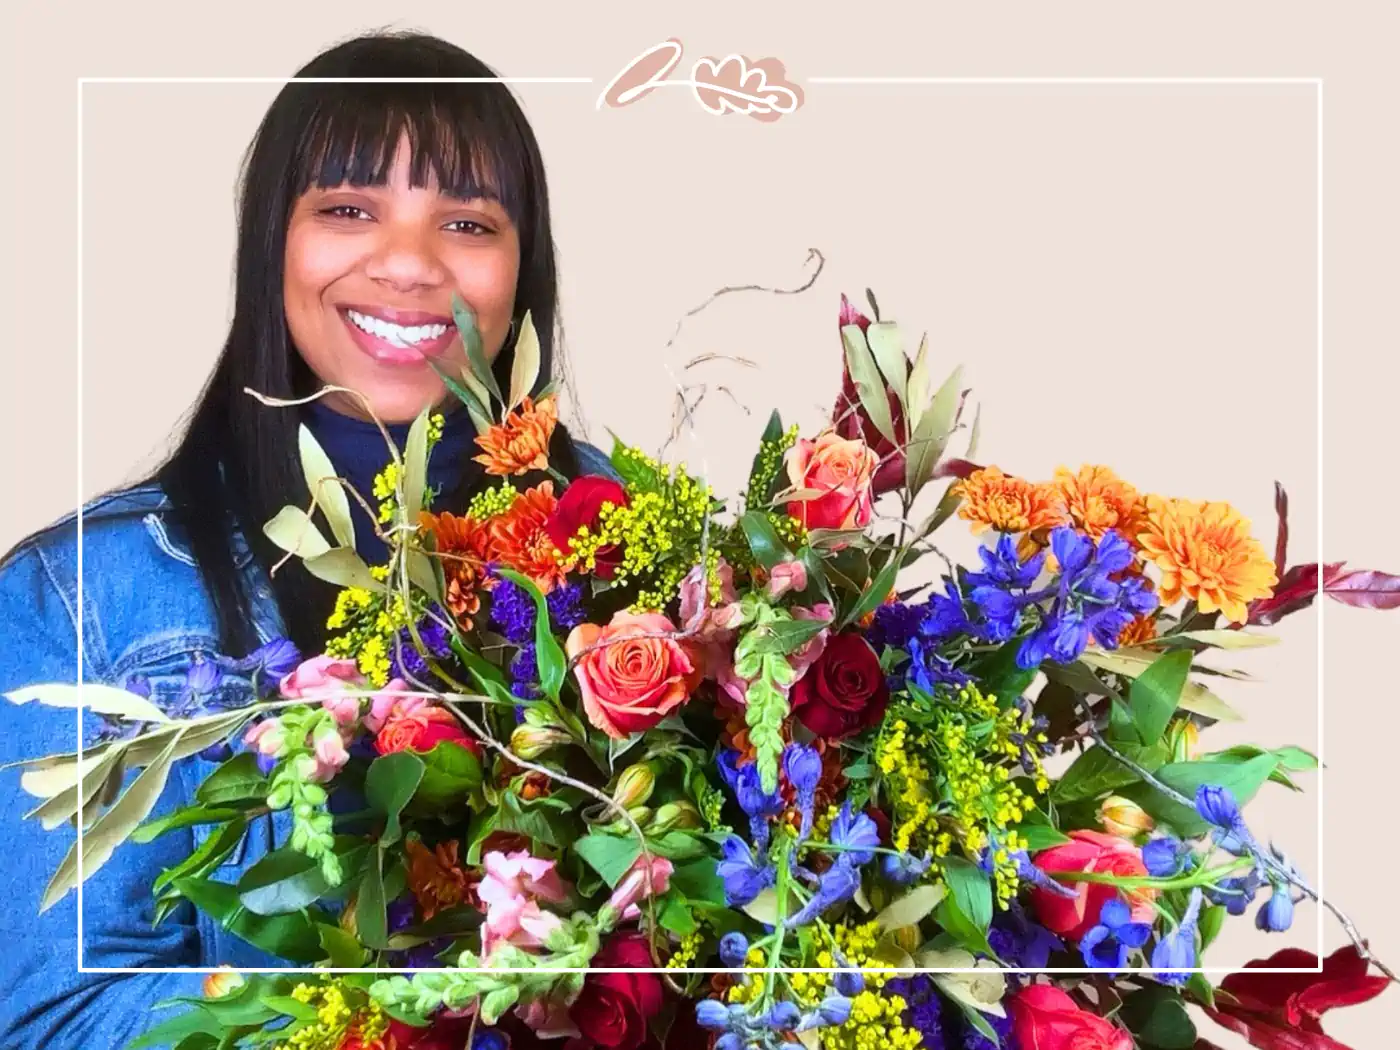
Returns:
point(965, 81)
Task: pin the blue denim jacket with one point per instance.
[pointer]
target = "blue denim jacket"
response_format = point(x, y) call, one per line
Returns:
point(144, 610)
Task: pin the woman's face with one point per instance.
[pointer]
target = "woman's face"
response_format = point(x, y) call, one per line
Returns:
point(369, 277)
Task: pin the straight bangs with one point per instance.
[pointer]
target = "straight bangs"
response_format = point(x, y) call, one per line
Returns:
point(467, 135)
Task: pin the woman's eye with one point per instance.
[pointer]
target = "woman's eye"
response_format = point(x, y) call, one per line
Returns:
point(476, 230)
point(344, 211)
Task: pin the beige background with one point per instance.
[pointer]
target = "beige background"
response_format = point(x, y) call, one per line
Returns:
point(1128, 274)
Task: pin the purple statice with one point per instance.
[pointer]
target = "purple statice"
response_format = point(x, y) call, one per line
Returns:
point(923, 1009)
point(1021, 942)
point(972, 1039)
point(525, 673)
point(894, 626)
point(405, 659)
point(566, 606)
point(513, 611)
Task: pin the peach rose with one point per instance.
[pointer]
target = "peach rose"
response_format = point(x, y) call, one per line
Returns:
point(839, 473)
point(633, 682)
point(422, 729)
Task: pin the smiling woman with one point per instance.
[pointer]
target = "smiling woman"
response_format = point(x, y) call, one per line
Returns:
point(378, 221)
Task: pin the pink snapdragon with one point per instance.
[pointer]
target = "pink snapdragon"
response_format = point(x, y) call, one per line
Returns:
point(268, 737)
point(336, 683)
point(632, 887)
point(513, 885)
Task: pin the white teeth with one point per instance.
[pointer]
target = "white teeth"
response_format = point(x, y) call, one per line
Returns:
point(396, 334)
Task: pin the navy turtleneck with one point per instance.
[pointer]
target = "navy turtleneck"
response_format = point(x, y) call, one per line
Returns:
point(357, 451)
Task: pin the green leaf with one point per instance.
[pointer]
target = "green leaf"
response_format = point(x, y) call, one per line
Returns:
point(1201, 989)
point(549, 656)
point(865, 375)
point(112, 828)
point(535, 822)
point(415, 466)
point(963, 930)
point(64, 805)
point(525, 366)
point(1158, 1018)
point(389, 785)
point(207, 855)
point(887, 347)
point(675, 915)
point(371, 915)
point(174, 1029)
point(95, 697)
point(874, 596)
point(1242, 778)
point(609, 855)
point(768, 550)
point(340, 946)
point(911, 908)
point(971, 889)
point(237, 780)
point(1195, 698)
point(471, 393)
point(291, 936)
point(699, 882)
point(465, 319)
point(998, 675)
point(786, 636)
point(343, 567)
point(294, 531)
point(451, 773)
point(677, 845)
point(184, 817)
point(1221, 639)
point(285, 880)
point(328, 493)
point(930, 438)
point(1212, 920)
point(1155, 694)
point(285, 1004)
point(1095, 772)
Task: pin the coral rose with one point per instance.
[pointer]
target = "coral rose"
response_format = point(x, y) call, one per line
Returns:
point(1046, 1018)
point(421, 729)
point(839, 472)
point(1089, 851)
point(631, 682)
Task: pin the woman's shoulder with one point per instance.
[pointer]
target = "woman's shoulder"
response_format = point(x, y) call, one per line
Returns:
point(593, 460)
point(120, 561)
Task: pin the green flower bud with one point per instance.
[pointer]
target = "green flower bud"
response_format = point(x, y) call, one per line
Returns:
point(635, 785)
point(280, 798)
point(529, 741)
point(674, 815)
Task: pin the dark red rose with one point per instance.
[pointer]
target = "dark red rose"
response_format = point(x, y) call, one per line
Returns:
point(844, 691)
point(882, 823)
point(1283, 1011)
point(613, 1009)
point(583, 498)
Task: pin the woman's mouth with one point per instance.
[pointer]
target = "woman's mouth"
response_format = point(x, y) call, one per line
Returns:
point(406, 339)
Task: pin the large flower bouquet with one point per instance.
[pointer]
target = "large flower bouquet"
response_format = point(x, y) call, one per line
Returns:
point(610, 763)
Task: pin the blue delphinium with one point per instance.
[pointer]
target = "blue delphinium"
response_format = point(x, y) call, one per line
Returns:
point(1021, 942)
point(1106, 946)
point(744, 877)
point(1176, 951)
point(1165, 857)
point(1277, 915)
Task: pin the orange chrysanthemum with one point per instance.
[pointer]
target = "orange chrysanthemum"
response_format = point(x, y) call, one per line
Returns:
point(521, 443)
point(993, 500)
point(462, 545)
point(1205, 551)
point(1098, 500)
point(435, 876)
point(1141, 630)
point(517, 538)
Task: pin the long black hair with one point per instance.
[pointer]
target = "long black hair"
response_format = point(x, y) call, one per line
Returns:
point(477, 141)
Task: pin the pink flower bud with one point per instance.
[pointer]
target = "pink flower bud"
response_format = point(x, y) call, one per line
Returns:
point(268, 737)
point(787, 576)
point(632, 887)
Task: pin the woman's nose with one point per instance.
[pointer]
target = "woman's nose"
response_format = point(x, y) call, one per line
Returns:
point(405, 260)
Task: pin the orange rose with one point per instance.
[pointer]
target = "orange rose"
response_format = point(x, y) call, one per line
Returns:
point(839, 473)
point(421, 729)
point(631, 683)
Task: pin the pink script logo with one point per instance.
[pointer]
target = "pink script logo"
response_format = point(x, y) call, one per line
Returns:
point(733, 84)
